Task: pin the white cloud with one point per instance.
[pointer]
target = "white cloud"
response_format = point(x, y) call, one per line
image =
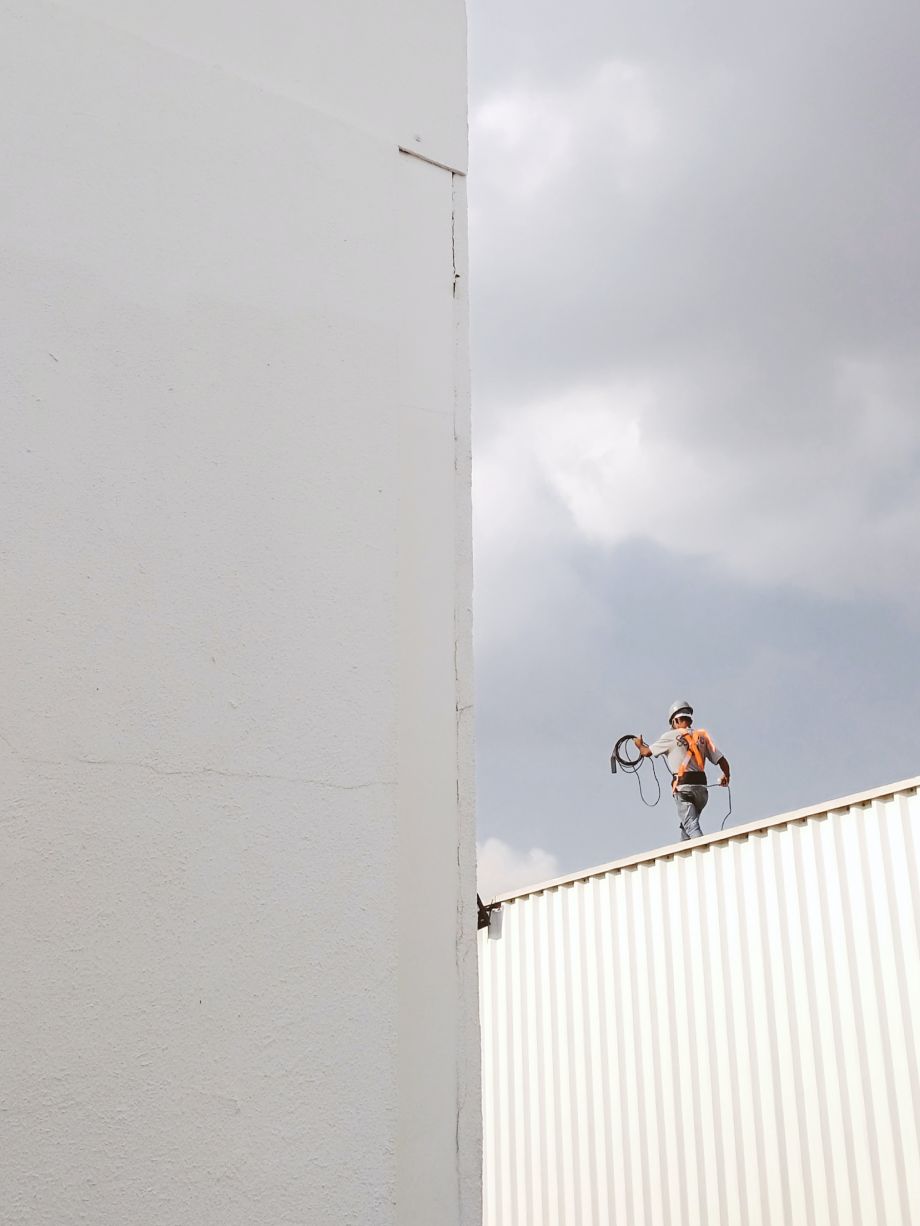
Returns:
point(502, 868)
point(829, 506)
point(525, 138)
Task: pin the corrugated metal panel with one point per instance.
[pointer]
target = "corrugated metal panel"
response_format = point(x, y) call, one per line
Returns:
point(721, 1035)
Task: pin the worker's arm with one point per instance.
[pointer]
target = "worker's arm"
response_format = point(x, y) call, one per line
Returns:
point(718, 758)
point(644, 751)
point(726, 772)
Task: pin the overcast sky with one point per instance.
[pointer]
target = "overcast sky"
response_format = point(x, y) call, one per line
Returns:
point(695, 235)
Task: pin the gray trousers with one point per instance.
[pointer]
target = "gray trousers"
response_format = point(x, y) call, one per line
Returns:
point(691, 800)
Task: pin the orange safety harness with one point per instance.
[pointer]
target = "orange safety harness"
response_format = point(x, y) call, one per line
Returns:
point(696, 741)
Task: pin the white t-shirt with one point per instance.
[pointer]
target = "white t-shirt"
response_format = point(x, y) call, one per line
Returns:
point(670, 743)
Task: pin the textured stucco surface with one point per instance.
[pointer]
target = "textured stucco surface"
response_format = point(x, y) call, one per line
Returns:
point(236, 825)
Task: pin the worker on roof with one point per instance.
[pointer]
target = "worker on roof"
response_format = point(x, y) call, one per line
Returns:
point(687, 751)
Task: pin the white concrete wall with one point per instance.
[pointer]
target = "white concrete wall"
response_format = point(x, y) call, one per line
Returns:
point(235, 811)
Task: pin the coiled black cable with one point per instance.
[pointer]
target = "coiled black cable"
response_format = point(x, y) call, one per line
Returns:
point(631, 766)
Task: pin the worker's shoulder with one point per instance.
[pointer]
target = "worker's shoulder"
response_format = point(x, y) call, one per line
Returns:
point(668, 737)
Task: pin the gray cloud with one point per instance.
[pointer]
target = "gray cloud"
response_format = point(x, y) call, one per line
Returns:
point(810, 698)
point(767, 218)
point(695, 314)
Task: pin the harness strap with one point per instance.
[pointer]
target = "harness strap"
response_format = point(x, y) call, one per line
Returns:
point(692, 739)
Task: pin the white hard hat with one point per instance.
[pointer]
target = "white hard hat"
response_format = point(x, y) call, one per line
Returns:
point(681, 707)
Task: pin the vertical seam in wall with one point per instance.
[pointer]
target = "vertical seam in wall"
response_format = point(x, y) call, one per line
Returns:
point(453, 251)
point(458, 1099)
point(467, 1131)
point(458, 956)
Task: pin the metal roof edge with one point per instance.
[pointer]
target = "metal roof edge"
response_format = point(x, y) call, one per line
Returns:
point(725, 836)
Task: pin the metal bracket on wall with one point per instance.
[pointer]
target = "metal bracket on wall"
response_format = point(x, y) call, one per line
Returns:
point(490, 915)
point(422, 157)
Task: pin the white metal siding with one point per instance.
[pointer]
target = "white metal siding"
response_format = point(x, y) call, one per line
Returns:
point(720, 1035)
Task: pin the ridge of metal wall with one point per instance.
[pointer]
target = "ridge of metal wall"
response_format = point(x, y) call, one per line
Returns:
point(726, 1035)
